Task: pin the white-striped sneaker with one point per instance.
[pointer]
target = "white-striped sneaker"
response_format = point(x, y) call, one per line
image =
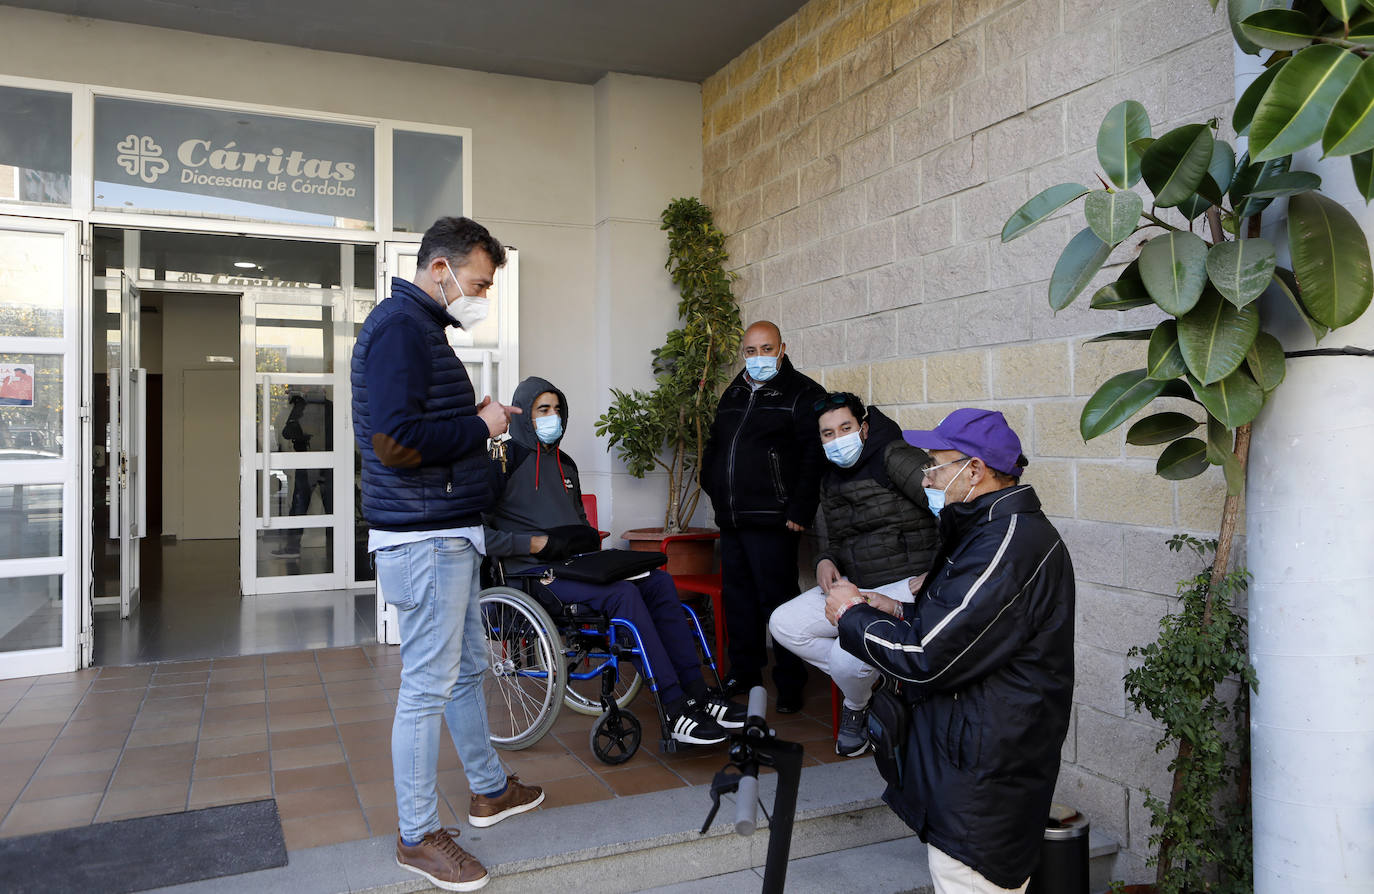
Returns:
point(696, 727)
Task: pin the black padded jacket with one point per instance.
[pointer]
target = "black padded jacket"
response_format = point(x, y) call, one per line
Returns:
point(762, 463)
point(878, 528)
point(985, 658)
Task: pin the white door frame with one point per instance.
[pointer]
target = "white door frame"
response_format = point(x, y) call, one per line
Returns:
point(64, 471)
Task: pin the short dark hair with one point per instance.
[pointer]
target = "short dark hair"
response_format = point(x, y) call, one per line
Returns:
point(454, 238)
point(837, 399)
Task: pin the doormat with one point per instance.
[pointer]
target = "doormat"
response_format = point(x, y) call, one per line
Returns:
point(147, 852)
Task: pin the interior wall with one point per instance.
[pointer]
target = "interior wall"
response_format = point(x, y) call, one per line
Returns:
point(551, 163)
point(200, 432)
point(863, 158)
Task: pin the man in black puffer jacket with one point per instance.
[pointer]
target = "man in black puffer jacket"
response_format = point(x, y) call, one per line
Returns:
point(879, 534)
point(761, 467)
point(983, 658)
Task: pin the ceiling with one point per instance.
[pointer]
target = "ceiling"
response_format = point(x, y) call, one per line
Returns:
point(562, 40)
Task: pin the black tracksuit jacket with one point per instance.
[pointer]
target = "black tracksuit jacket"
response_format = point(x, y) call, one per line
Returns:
point(985, 658)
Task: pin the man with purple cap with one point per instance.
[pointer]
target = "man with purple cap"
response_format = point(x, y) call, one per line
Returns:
point(982, 662)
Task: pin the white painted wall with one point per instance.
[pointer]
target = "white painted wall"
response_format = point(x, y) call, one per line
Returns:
point(573, 175)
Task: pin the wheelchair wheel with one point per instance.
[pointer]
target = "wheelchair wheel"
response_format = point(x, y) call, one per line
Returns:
point(527, 673)
point(584, 696)
point(615, 738)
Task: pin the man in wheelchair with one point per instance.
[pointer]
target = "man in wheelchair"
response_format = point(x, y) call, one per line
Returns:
point(538, 520)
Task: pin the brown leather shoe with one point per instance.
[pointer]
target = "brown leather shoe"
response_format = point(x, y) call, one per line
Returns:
point(517, 798)
point(439, 858)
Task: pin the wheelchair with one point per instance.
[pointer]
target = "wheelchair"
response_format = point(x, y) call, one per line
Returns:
point(544, 655)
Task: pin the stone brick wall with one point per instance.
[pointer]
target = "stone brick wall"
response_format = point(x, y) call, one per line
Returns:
point(863, 157)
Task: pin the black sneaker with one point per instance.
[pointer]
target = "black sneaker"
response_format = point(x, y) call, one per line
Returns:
point(734, 685)
point(726, 713)
point(852, 740)
point(789, 702)
point(696, 727)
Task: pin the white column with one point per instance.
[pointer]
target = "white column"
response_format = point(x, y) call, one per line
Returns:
point(1310, 527)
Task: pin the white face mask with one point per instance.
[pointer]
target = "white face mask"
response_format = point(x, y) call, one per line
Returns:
point(468, 312)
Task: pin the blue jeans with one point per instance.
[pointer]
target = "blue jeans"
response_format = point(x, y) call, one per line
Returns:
point(433, 584)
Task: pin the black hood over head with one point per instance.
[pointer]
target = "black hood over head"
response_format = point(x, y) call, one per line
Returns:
point(522, 423)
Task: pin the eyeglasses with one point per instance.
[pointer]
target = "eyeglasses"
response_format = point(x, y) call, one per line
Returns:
point(932, 465)
point(837, 399)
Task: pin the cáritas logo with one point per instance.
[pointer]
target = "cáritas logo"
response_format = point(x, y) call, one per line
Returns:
point(141, 157)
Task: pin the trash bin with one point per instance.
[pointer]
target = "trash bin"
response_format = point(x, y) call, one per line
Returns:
point(1063, 854)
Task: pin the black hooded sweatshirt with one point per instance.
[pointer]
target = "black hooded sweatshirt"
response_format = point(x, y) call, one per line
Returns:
point(542, 490)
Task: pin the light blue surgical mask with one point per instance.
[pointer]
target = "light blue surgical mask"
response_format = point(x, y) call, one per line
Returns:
point(935, 498)
point(761, 369)
point(548, 428)
point(844, 451)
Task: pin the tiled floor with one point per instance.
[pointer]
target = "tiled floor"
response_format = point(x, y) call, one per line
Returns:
point(310, 729)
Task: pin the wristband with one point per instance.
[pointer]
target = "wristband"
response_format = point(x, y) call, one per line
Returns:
point(848, 606)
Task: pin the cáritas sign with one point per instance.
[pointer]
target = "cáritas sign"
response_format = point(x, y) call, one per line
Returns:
point(293, 164)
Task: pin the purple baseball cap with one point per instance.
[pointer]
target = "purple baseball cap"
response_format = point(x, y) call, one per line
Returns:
point(973, 432)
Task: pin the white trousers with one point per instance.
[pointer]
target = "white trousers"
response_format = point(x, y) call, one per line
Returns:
point(952, 877)
point(800, 625)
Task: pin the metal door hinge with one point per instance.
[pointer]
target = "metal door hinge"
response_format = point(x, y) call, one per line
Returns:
point(85, 249)
point(85, 411)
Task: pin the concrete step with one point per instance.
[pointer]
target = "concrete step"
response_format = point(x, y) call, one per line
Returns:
point(649, 842)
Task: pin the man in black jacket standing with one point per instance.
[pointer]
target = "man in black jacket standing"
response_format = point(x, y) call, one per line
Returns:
point(984, 659)
point(761, 468)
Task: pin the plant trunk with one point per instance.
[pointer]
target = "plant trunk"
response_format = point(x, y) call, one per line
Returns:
point(1230, 514)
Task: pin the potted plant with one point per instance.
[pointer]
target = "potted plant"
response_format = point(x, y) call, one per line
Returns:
point(666, 428)
point(1205, 265)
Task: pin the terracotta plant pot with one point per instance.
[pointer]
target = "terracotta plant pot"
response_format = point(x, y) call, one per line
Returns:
point(685, 556)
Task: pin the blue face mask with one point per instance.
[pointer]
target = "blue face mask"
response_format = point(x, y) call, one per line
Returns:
point(844, 451)
point(761, 369)
point(548, 428)
point(935, 498)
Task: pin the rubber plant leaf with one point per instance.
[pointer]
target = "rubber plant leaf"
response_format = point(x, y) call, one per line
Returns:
point(1113, 215)
point(1220, 171)
point(1288, 288)
point(1124, 123)
point(1175, 164)
point(1234, 401)
point(1174, 270)
point(1164, 358)
point(1122, 335)
point(1289, 184)
point(1362, 167)
point(1160, 428)
point(1126, 292)
point(1215, 336)
point(1118, 399)
point(1238, 11)
point(1249, 100)
point(1330, 259)
point(1183, 459)
point(1078, 264)
point(1278, 29)
point(1350, 126)
point(1241, 270)
point(1251, 176)
point(1294, 109)
point(1342, 9)
point(1041, 206)
point(1221, 443)
point(1266, 362)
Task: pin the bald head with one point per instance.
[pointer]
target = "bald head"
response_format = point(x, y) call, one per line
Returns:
point(763, 339)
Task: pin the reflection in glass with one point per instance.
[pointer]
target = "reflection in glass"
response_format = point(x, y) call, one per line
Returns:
point(301, 417)
point(30, 521)
point(31, 267)
point(295, 338)
point(291, 552)
point(32, 432)
point(298, 492)
point(35, 146)
point(30, 612)
point(213, 259)
point(427, 179)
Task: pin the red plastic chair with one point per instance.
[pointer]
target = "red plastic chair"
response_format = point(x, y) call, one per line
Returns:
point(589, 507)
point(706, 585)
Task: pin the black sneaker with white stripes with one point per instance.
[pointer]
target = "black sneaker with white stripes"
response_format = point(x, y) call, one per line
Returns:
point(695, 727)
point(728, 714)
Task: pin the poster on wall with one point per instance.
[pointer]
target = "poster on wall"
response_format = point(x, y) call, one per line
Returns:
point(16, 384)
point(218, 162)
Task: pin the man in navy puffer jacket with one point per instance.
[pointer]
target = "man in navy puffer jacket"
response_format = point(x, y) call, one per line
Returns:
point(427, 477)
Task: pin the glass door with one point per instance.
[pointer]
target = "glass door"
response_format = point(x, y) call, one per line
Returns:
point(41, 609)
point(295, 534)
point(128, 432)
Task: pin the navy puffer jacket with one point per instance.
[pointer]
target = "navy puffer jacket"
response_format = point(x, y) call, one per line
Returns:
point(425, 462)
